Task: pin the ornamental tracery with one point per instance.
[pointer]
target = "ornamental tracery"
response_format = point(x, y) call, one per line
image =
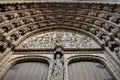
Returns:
point(66, 39)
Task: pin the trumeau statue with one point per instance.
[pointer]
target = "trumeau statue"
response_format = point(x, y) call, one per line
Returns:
point(57, 67)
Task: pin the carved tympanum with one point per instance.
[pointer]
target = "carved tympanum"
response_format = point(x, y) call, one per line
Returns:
point(66, 39)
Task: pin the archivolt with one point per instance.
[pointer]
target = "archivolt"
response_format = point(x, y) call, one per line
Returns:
point(101, 20)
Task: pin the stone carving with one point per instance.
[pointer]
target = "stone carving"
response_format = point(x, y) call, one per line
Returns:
point(114, 19)
point(105, 38)
point(7, 28)
point(9, 8)
point(1, 31)
point(112, 45)
point(57, 67)
point(93, 30)
point(3, 43)
point(100, 35)
point(117, 51)
point(86, 13)
point(26, 21)
point(66, 39)
point(10, 16)
point(22, 32)
point(115, 30)
point(96, 6)
point(118, 35)
point(22, 14)
point(117, 9)
point(98, 23)
point(14, 36)
point(2, 19)
point(17, 23)
point(38, 18)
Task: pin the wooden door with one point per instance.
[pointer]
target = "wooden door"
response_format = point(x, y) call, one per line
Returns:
point(88, 70)
point(28, 71)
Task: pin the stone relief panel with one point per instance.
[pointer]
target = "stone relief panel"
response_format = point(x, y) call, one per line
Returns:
point(66, 39)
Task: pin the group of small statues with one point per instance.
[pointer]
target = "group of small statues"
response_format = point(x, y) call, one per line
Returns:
point(15, 36)
point(106, 7)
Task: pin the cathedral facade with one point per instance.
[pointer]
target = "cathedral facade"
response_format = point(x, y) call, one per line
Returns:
point(60, 40)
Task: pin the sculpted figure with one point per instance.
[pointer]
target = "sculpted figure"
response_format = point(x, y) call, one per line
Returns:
point(115, 30)
point(114, 19)
point(2, 19)
point(2, 31)
point(117, 9)
point(14, 36)
point(101, 15)
point(88, 20)
point(3, 46)
point(96, 7)
point(3, 43)
point(118, 35)
point(98, 23)
point(91, 13)
point(10, 16)
point(22, 14)
point(57, 67)
point(93, 30)
point(9, 8)
point(112, 45)
point(105, 38)
point(107, 8)
point(100, 35)
point(22, 32)
point(17, 23)
point(7, 28)
point(117, 51)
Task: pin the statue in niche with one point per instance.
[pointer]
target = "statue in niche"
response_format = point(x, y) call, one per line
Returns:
point(57, 67)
